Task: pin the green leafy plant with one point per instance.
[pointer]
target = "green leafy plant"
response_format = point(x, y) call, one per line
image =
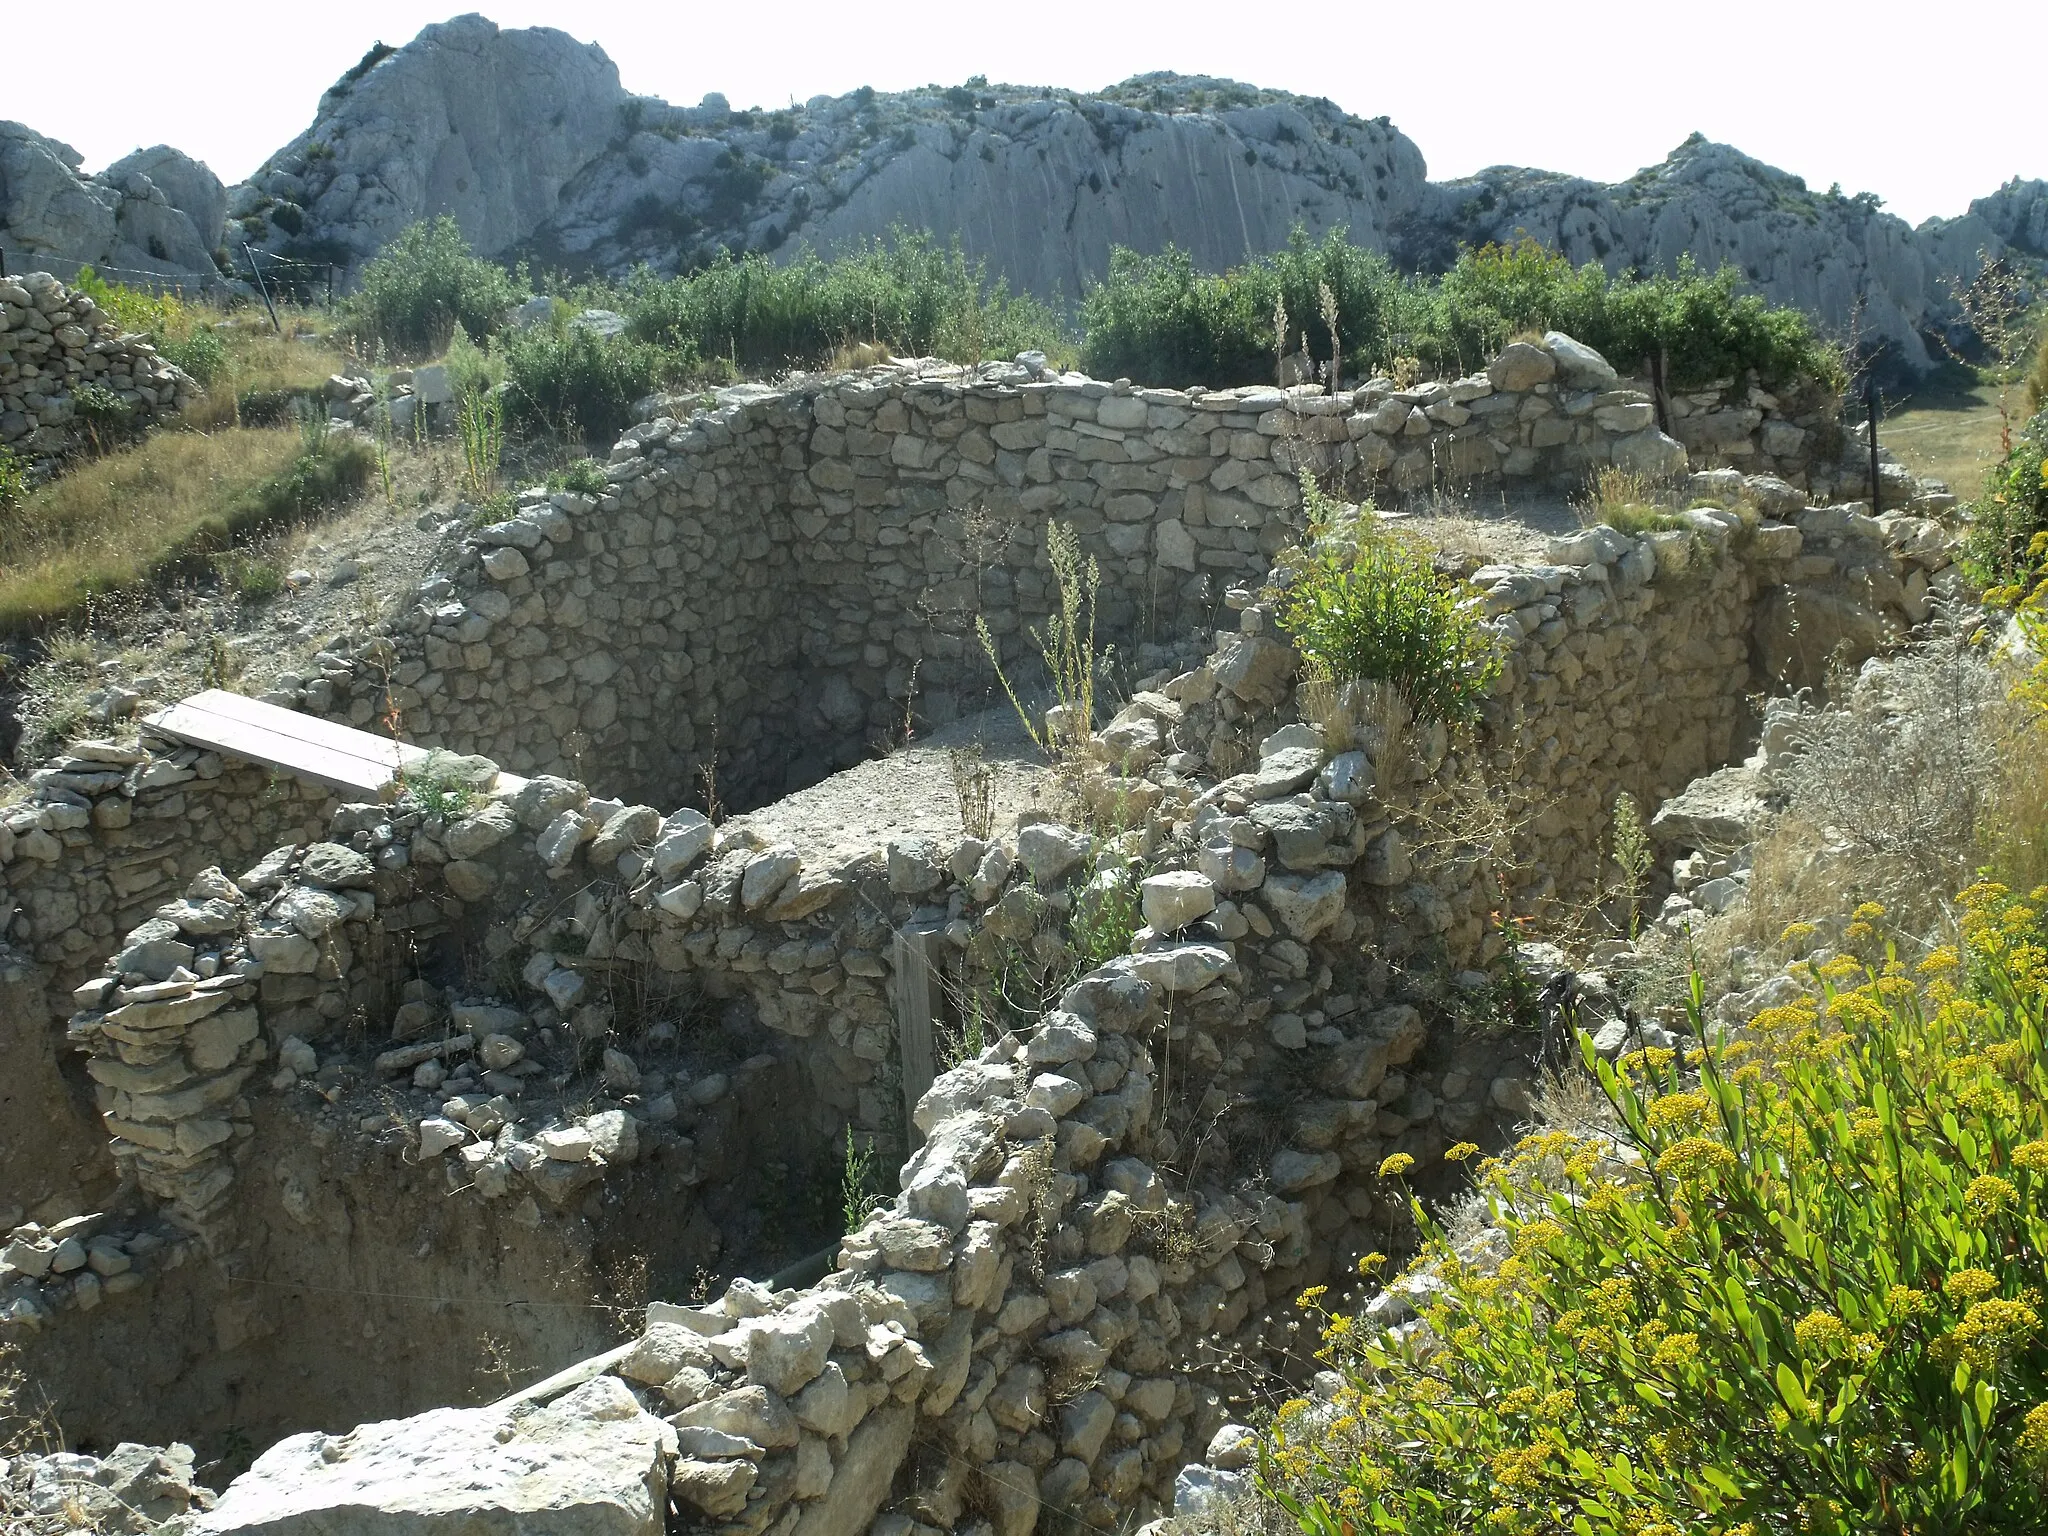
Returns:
point(251, 580)
point(1158, 320)
point(1066, 642)
point(2006, 547)
point(1799, 1288)
point(566, 373)
point(203, 354)
point(1363, 604)
point(905, 292)
point(425, 283)
point(858, 1180)
point(106, 416)
point(1633, 855)
point(13, 480)
point(585, 477)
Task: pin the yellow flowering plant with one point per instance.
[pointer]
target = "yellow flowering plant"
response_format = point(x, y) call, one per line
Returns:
point(1803, 1295)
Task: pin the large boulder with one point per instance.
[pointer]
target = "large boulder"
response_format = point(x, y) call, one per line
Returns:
point(187, 184)
point(593, 1463)
point(470, 119)
point(127, 220)
point(1718, 813)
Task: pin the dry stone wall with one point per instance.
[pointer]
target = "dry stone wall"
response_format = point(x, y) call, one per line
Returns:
point(52, 342)
point(769, 585)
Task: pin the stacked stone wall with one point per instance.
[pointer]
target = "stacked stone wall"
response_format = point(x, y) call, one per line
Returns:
point(54, 340)
point(766, 587)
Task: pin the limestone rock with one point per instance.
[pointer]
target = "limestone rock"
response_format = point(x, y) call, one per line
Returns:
point(1173, 900)
point(589, 1464)
point(1718, 813)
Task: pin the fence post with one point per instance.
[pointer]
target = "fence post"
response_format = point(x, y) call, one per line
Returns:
point(918, 1001)
point(330, 285)
point(261, 287)
point(1870, 400)
point(3, 261)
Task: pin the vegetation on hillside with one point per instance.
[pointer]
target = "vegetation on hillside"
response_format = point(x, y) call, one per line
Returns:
point(171, 500)
point(1156, 320)
point(2006, 550)
point(1798, 1287)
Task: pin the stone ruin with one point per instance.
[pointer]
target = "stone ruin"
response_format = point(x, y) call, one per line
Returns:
point(54, 340)
point(505, 1060)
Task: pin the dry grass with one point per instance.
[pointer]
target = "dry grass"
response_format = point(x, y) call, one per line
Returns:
point(261, 361)
point(113, 521)
point(1947, 430)
point(1628, 502)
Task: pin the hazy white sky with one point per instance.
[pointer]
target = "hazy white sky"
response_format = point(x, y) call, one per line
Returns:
point(1927, 106)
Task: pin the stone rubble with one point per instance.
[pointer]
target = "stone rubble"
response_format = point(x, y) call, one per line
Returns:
point(54, 341)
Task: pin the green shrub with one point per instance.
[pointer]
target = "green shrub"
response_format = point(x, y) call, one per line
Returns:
point(586, 477)
point(253, 581)
point(424, 284)
point(132, 309)
point(567, 376)
point(202, 354)
point(2006, 547)
point(1801, 1291)
point(906, 292)
point(106, 417)
point(1155, 319)
point(1362, 604)
point(13, 480)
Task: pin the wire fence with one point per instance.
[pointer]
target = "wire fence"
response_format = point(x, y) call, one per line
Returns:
point(285, 276)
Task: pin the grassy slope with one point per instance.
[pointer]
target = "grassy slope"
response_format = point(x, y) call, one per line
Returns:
point(113, 520)
point(1948, 429)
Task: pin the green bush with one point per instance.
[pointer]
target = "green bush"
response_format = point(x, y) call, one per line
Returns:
point(424, 284)
point(1155, 319)
point(585, 477)
point(905, 292)
point(1801, 1289)
point(202, 354)
point(2006, 547)
point(568, 378)
point(13, 480)
point(1361, 604)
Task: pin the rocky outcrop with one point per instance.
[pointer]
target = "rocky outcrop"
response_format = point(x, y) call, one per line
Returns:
point(591, 1464)
point(155, 211)
point(467, 119)
point(1041, 184)
point(1839, 258)
point(2017, 214)
point(527, 138)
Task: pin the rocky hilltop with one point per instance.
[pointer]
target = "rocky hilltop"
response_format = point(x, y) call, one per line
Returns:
point(156, 210)
point(529, 140)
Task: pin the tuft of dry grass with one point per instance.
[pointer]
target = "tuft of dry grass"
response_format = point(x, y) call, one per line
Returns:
point(262, 362)
point(1627, 502)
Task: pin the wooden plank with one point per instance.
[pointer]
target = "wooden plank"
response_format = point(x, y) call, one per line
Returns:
point(338, 756)
point(308, 728)
point(265, 748)
point(917, 1004)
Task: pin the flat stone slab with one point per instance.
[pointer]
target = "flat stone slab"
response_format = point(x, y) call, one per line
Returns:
point(592, 1463)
